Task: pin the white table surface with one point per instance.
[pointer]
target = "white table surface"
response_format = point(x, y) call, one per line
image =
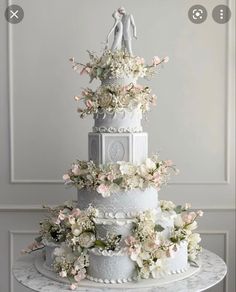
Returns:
point(212, 271)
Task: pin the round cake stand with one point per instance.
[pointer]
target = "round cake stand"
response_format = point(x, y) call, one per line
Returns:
point(212, 271)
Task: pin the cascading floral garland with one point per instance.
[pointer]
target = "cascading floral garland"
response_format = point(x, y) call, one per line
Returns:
point(117, 64)
point(149, 248)
point(122, 175)
point(114, 98)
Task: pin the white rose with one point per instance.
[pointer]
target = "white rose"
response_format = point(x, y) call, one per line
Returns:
point(150, 164)
point(86, 239)
point(194, 238)
point(191, 226)
point(76, 229)
point(63, 274)
point(167, 205)
point(178, 221)
point(143, 170)
point(151, 215)
point(144, 272)
point(156, 268)
point(127, 168)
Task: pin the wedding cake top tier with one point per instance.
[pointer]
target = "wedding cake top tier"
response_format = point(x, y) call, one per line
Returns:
point(118, 69)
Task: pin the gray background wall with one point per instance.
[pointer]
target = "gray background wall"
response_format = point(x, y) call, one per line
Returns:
point(41, 133)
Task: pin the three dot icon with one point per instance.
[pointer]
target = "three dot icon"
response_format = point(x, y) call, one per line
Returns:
point(221, 14)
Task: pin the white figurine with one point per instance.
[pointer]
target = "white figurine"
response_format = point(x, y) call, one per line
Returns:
point(128, 21)
point(118, 32)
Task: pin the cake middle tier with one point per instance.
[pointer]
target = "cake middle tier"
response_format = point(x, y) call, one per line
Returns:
point(120, 204)
point(112, 147)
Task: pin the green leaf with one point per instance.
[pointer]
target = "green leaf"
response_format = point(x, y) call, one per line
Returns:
point(99, 71)
point(158, 228)
point(100, 243)
point(38, 239)
point(194, 264)
point(118, 181)
point(178, 209)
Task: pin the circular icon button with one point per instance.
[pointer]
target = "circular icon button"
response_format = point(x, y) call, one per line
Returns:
point(221, 14)
point(197, 14)
point(14, 14)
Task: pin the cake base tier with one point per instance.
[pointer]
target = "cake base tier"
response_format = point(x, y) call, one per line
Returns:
point(39, 266)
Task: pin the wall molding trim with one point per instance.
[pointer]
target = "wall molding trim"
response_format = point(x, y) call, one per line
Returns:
point(39, 208)
point(225, 234)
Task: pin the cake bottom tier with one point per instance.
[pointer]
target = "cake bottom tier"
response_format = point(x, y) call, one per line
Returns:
point(117, 267)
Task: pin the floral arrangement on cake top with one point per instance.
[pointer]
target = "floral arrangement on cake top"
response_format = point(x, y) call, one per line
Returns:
point(114, 98)
point(149, 248)
point(117, 64)
point(122, 175)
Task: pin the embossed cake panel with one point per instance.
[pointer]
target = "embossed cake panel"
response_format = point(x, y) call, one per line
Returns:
point(113, 147)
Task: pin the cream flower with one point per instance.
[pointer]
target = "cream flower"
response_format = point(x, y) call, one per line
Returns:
point(127, 168)
point(76, 229)
point(191, 226)
point(150, 164)
point(156, 268)
point(63, 274)
point(86, 239)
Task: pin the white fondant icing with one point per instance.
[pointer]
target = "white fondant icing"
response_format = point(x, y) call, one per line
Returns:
point(110, 148)
point(49, 250)
point(114, 226)
point(112, 267)
point(122, 204)
point(115, 266)
point(179, 262)
point(121, 121)
point(119, 81)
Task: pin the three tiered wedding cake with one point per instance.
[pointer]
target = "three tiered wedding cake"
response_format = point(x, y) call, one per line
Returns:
point(118, 231)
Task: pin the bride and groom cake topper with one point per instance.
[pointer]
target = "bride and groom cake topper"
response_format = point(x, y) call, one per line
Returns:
point(124, 30)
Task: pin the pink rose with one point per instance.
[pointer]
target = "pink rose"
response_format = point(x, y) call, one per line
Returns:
point(89, 103)
point(200, 213)
point(168, 162)
point(156, 176)
point(110, 177)
point(188, 217)
point(130, 240)
point(103, 190)
point(76, 212)
point(139, 86)
point(61, 216)
point(80, 276)
point(101, 176)
point(73, 286)
point(75, 169)
point(166, 59)
point(66, 177)
point(140, 61)
point(156, 60)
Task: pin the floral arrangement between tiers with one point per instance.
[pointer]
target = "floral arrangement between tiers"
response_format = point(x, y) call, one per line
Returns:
point(149, 248)
point(117, 64)
point(114, 98)
point(74, 231)
point(122, 175)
